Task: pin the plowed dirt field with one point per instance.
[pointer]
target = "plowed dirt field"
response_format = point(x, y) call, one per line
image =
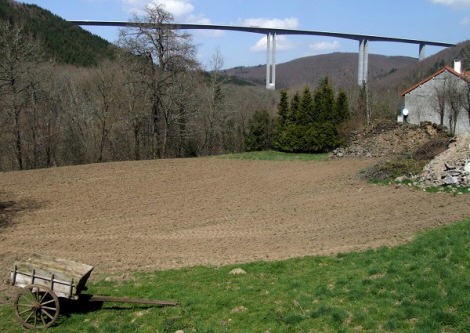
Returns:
point(161, 214)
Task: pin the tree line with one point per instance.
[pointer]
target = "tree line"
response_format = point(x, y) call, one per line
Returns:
point(310, 122)
point(152, 100)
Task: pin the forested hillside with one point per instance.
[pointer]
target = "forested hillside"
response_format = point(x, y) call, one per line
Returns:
point(150, 100)
point(62, 41)
point(341, 68)
point(410, 75)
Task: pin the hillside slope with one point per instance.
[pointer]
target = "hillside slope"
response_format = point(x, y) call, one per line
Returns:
point(393, 73)
point(63, 41)
point(340, 67)
point(410, 75)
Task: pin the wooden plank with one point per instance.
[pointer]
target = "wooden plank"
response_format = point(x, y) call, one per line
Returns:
point(66, 277)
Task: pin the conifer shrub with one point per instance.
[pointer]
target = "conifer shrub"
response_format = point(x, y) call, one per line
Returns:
point(260, 132)
point(312, 121)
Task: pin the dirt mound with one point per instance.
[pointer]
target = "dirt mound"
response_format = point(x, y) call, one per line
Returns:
point(450, 168)
point(152, 215)
point(385, 138)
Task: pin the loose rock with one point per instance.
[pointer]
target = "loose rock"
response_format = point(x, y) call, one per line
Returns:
point(237, 271)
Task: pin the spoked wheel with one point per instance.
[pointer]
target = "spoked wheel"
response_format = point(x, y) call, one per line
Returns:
point(36, 307)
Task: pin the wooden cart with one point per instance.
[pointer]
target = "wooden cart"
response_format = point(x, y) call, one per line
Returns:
point(44, 279)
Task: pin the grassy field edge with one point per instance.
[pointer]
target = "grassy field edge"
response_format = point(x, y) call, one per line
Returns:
point(421, 286)
point(271, 155)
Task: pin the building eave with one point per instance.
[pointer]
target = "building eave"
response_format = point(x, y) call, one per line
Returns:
point(446, 68)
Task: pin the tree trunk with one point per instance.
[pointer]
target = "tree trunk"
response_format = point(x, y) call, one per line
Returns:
point(136, 143)
point(19, 141)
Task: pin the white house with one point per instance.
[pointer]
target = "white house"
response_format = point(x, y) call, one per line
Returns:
point(443, 98)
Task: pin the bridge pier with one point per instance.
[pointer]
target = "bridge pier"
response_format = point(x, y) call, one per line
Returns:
point(363, 65)
point(422, 51)
point(271, 61)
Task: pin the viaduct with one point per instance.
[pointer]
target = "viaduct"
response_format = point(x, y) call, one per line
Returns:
point(271, 34)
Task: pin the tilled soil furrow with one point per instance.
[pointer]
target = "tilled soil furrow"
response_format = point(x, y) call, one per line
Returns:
point(164, 214)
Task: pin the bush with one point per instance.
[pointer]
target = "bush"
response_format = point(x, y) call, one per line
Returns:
point(389, 170)
point(431, 149)
point(311, 124)
point(260, 135)
point(313, 138)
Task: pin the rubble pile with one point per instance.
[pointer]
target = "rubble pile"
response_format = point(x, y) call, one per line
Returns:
point(385, 138)
point(450, 168)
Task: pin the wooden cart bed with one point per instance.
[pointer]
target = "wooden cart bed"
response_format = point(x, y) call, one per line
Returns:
point(65, 277)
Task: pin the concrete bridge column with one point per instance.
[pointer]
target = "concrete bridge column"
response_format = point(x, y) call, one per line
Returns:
point(363, 65)
point(366, 60)
point(360, 67)
point(273, 81)
point(271, 61)
point(422, 51)
point(268, 60)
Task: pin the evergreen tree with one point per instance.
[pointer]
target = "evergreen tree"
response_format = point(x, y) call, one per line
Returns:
point(283, 111)
point(341, 109)
point(324, 98)
point(61, 40)
point(314, 121)
point(260, 134)
point(294, 108)
point(306, 108)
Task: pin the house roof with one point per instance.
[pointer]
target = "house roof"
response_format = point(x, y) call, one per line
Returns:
point(463, 76)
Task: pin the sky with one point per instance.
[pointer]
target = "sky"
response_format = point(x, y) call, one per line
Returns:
point(433, 20)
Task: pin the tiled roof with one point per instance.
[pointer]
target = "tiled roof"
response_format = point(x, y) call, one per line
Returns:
point(465, 76)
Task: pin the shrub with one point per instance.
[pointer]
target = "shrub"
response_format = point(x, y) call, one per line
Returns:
point(311, 123)
point(431, 149)
point(260, 135)
point(389, 170)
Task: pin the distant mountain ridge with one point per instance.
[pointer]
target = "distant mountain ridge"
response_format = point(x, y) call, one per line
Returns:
point(63, 41)
point(340, 67)
point(70, 44)
point(385, 72)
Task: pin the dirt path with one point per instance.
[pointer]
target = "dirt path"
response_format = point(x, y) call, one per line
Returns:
point(171, 213)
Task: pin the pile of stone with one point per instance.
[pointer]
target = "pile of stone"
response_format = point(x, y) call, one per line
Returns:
point(450, 168)
point(385, 138)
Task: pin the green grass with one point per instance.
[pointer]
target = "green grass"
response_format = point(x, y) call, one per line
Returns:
point(422, 286)
point(385, 173)
point(391, 169)
point(435, 189)
point(449, 189)
point(270, 155)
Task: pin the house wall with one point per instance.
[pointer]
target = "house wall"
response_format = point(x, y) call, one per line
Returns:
point(422, 103)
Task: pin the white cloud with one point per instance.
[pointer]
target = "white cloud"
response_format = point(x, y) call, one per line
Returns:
point(175, 7)
point(453, 3)
point(134, 6)
point(287, 23)
point(325, 46)
point(180, 9)
point(200, 19)
point(465, 21)
point(282, 44)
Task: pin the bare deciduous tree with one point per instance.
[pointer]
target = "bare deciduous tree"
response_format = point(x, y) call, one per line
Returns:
point(169, 53)
point(454, 94)
point(19, 54)
point(440, 99)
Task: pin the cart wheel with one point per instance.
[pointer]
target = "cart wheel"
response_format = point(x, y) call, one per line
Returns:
point(36, 307)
